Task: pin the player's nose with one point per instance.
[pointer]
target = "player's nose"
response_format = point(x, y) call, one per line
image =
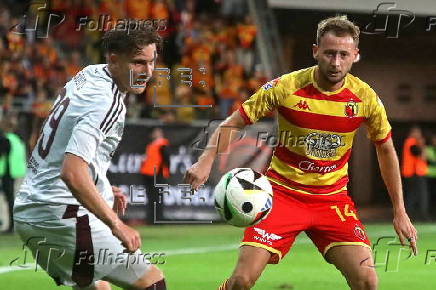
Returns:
point(335, 60)
point(149, 69)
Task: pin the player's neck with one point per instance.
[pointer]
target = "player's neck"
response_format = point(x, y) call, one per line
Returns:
point(325, 84)
point(116, 79)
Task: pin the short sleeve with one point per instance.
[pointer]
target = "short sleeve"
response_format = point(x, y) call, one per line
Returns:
point(379, 129)
point(99, 114)
point(265, 100)
point(84, 143)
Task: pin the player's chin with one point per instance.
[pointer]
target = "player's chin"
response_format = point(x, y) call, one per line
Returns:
point(137, 91)
point(336, 79)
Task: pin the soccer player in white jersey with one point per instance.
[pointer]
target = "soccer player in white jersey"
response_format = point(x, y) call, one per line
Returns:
point(66, 209)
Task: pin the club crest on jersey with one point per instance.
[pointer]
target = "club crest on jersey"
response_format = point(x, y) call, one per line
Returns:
point(359, 232)
point(271, 84)
point(351, 109)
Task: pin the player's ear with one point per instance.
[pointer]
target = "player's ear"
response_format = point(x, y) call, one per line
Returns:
point(113, 58)
point(356, 55)
point(315, 49)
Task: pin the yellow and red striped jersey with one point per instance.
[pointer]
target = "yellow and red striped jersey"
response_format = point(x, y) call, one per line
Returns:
point(316, 128)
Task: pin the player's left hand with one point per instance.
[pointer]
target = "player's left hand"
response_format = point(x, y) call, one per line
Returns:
point(120, 200)
point(406, 231)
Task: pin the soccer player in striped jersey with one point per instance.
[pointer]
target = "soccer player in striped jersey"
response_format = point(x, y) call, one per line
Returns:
point(324, 105)
point(66, 209)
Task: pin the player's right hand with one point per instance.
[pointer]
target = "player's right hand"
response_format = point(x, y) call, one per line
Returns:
point(198, 174)
point(129, 237)
point(406, 231)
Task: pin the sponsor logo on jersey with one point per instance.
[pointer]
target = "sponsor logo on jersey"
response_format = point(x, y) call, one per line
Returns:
point(322, 145)
point(79, 80)
point(359, 232)
point(120, 129)
point(33, 165)
point(302, 105)
point(271, 84)
point(351, 109)
point(264, 237)
point(310, 166)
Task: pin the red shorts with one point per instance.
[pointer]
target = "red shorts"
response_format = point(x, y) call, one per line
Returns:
point(328, 220)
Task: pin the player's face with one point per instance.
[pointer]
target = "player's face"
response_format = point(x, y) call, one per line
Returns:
point(136, 70)
point(335, 56)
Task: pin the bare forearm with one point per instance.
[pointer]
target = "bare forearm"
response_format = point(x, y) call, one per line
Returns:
point(390, 171)
point(222, 137)
point(218, 143)
point(83, 189)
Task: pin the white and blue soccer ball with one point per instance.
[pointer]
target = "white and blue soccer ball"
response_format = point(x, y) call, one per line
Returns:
point(243, 197)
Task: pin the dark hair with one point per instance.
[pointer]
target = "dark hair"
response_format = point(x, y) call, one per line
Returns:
point(340, 26)
point(129, 42)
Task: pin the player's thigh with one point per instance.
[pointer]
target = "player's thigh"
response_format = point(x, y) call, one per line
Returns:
point(335, 223)
point(115, 265)
point(251, 262)
point(52, 245)
point(355, 262)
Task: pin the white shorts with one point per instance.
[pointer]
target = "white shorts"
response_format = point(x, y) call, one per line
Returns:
point(80, 249)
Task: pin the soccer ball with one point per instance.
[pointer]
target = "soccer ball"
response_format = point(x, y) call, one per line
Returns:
point(243, 197)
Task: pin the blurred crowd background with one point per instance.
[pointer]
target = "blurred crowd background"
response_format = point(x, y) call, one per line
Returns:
point(208, 55)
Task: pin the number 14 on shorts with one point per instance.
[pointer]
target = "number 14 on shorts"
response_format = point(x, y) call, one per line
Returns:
point(345, 212)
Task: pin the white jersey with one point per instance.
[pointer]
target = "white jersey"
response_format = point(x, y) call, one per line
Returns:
point(86, 120)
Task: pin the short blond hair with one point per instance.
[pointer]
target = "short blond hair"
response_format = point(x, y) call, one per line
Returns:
point(340, 26)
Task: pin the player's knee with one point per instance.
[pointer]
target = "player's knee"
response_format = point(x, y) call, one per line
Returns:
point(99, 285)
point(159, 285)
point(365, 281)
point(102, 285)
point(153, 279)
point(241, 282)
point(371, 280)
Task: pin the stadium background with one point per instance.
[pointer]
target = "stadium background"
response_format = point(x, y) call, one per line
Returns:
point(231, 48)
